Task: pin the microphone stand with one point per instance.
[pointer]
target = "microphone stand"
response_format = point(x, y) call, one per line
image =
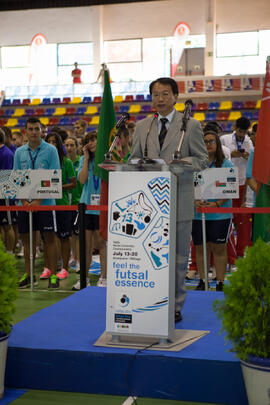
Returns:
point(177, 153)
point(145, 160)
point(109, 155)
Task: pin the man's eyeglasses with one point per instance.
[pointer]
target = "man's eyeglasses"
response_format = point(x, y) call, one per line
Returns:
point(210, 142)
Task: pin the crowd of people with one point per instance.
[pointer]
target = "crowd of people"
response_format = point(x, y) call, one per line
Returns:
point(73, 151)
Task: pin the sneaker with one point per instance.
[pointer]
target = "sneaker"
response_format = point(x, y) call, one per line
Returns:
point(25, 281)
point(62, 274)
point(21, 253)
point(219, 286)
point(201, 286)
point(77, 286)
point(53, 283)
point(46, 274)
point(191, 274)
point(102, 282)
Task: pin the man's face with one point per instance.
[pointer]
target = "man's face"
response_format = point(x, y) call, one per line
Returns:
point(240, 133)
point(163, 98)
point(33, 132)
point(79, 130)
point(70, 146)
point(17, 140)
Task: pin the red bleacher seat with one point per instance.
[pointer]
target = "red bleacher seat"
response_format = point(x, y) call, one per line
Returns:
point(26, 101)
point(129, 97)
point(54, 121)
point(3, 122)
point(66, 100)
point(87, 119)
point(2, 112)
point(39, 111)
point(202, 107)
point(222, 115)
point(97, 99)
point(70, 111)
point(250, 104)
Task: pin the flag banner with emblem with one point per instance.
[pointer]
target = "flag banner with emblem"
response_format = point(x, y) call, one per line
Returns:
point(261, 162)
point(106, 133)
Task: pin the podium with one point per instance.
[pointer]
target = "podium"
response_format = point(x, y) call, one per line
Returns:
point(141, 252)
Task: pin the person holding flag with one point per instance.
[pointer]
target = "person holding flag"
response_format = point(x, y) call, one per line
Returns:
point(261, 163)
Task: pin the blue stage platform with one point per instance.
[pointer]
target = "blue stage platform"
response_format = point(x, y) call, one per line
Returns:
point(53, 349)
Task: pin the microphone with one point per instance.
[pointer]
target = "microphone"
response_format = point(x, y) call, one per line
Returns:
point(145, 158)
point(124, 117)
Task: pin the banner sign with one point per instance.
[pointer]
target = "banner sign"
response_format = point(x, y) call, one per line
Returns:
point(141, 254)
point(180, 34)
point(216, 183)
point(30, 184)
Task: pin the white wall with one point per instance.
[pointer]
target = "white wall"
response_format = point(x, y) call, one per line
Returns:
point(133, 20)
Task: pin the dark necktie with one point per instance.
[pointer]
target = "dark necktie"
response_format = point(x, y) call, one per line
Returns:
point(163, 131)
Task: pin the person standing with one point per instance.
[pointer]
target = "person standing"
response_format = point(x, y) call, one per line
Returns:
point(240, 146)
point(37, 154)
point(162, 141)
point(76, 74)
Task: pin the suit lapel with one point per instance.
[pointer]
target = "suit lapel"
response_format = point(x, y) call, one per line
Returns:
point(174, 128)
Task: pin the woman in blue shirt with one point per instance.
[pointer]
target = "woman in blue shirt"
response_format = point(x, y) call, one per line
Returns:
point(217, 225)
point(91, 196)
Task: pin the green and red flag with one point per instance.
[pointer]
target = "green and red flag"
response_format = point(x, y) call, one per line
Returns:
point(106, 128)
point(261, 162)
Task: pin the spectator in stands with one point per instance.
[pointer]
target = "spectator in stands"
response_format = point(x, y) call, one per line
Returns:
point(80, 127)
point(63, 218)
point(43, 131)
point(163, 139)
point(72, 146)
point(100, 77)
point(217, 225)
point(17, 138)
point(76, 74)
point(91, 195)
point(240, 146)
point(8, 218)
point(8, 139)
point(37, 154)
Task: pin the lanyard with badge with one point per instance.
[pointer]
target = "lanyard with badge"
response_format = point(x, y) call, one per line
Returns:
point(212, 164)
point(94, 198)
point(33, 159)
point(239, 144)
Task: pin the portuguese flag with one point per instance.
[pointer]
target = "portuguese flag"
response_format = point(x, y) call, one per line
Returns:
point(107, 122)
point(261, 162)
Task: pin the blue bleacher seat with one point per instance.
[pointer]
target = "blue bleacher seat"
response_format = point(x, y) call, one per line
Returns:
point(21, 122)
point(65, 121)
point(139, 97)
point(149, 97)
point(214, 105)
point(229, 126)
point(146, 108)
point(49, 111)
point(210, 116)
point(87, 100)
point(56, 100)
point(46, 100)
point(237, 105)
point(255, 115)
point(81, 110)
point(9, 113)
point(73, 120)
point(6, 102)
point(247, 114)
point(16, 101)
point(29, 112)
point(140, 117)
point(123, 108)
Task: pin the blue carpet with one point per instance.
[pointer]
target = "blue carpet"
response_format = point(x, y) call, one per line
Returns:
point(10, 396)
point(53, 349)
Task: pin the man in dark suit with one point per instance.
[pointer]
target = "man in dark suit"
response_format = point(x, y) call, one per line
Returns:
point(162, 134)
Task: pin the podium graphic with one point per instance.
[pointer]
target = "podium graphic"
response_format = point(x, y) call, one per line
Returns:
point(141, 254)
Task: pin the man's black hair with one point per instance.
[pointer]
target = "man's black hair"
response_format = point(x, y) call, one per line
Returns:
point(242, 123)
point(165, 80)
point(32, 120)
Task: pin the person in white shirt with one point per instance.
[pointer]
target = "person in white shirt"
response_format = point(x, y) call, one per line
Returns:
point(240, 146)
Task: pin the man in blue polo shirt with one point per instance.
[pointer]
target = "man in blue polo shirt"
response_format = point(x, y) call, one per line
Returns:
point(7, 219)
point(37, 154)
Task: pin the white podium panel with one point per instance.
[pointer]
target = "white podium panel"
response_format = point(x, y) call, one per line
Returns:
point(141, 254)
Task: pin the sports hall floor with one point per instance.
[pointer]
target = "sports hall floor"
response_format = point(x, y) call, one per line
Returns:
point(30, 302)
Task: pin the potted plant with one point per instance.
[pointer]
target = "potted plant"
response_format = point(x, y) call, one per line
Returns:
point(245, 315)
point(8, 295)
